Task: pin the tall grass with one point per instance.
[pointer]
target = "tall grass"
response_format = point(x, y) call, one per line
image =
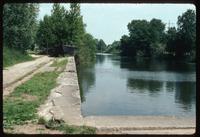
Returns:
point(13, 56)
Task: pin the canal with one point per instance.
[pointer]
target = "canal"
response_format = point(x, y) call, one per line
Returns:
point(115, 85)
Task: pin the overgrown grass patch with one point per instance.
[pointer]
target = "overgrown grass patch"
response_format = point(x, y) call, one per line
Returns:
point(68, 129)
point(59, 63)
point(17, 109)
point(13, 56)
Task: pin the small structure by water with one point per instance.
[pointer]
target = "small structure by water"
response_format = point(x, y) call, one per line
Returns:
point(62, 50)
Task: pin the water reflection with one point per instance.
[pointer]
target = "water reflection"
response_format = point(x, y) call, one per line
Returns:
point(115, 85)
point(184, 91)
point(86, 78)
point(155, 65)
point(141, 86)
point(185, 94)
point(100, 59)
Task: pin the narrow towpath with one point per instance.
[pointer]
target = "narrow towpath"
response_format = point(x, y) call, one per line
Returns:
point(64, 101)
point(19, 73)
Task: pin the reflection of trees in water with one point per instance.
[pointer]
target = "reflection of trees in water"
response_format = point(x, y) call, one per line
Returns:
point(180, 66)
point(141, 85)
point(115, 59)
point(100, 59)
point(86, 78)
point(155, 65)
point(185, 94)
point(142, 64)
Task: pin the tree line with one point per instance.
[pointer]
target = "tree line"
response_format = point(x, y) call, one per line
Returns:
point(20, 25)
point(22, 31)
point(152, 39)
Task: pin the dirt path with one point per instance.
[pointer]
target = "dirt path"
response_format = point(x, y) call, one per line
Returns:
point(32, 128)
point(19, 73)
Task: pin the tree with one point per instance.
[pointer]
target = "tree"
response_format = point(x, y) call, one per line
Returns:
point(19, 25)
point(171, 40)
point(101, 46)
point(77, 29)
point(114, 47)
point(66, 27)
point(140, 36)
point(156, 30)
point(54, 29)
point(86, 53)
point(186, 33)
point(60, 25)
point(145, 38)
point(126, 47)
point(45, 36)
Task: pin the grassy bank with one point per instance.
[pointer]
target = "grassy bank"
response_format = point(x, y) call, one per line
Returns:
point(20, 107)
point(12, 56)
point(59, 63)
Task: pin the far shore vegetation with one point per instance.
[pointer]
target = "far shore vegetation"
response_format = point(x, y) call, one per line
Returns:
point(152, 39)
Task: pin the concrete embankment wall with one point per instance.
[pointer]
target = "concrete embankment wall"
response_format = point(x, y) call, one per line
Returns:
point(64, 101)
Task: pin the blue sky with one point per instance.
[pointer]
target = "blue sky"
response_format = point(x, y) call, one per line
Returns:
point(109, 21)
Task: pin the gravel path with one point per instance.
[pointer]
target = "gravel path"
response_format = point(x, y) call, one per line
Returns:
point(19, 73)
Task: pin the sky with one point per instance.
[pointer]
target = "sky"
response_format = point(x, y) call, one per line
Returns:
point(109, 21)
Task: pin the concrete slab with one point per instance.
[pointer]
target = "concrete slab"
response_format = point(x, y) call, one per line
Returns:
point(65, 98)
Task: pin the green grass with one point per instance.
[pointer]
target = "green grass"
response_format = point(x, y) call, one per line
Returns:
point(59, 63)
point(18, 109)
point(12, 56)
point(21, 105)
point(67, 129)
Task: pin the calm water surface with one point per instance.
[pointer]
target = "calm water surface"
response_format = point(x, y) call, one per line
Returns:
point(115, 85)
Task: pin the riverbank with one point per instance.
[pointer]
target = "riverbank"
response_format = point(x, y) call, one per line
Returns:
point(14, 76)
point(21, 106)
point(61, 112)
point(13, 56)
point(65, 104)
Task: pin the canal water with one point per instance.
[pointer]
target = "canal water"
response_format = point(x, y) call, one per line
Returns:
point(115, 85)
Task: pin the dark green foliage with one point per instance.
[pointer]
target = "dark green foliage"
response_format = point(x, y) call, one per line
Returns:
point(77, 29)
point(86, 52)
point(19, 25)
point(113, 48)
point(45, 35)
point(19, 30)
point(149, 38)
point(66, 27)
point(53, 30)
point(186, 33)
point(13, 56)
point(171, 40)
point(144, 38)
point(181, 41)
